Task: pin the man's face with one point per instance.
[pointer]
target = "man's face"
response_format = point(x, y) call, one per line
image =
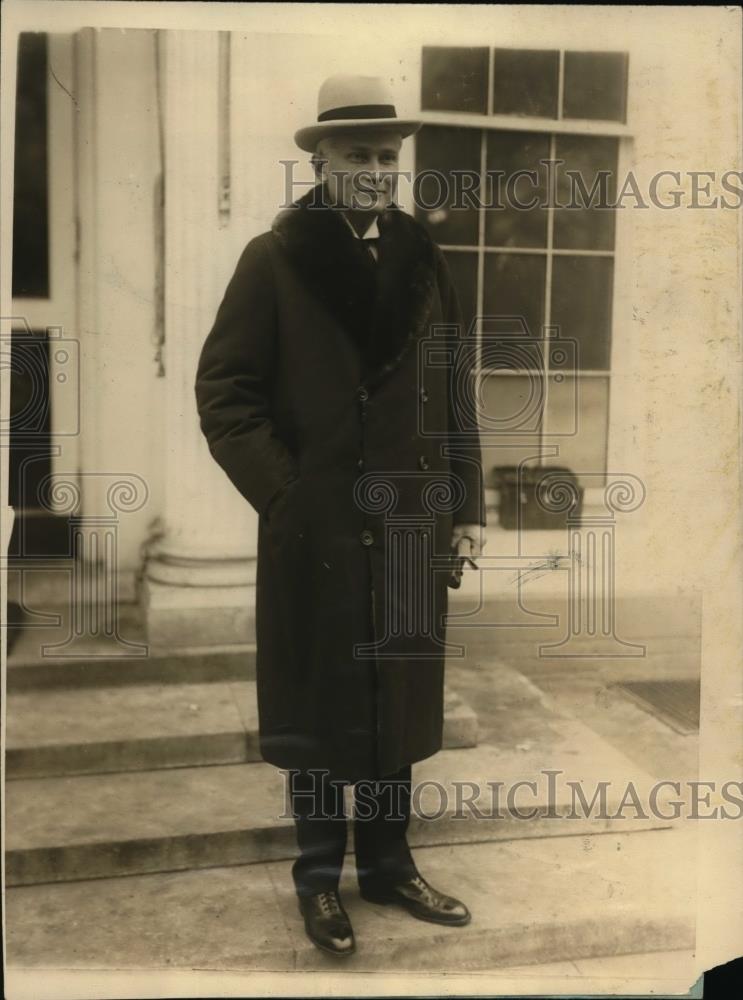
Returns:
point(361, 168)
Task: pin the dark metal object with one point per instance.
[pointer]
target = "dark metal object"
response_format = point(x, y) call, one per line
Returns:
point(537, 498)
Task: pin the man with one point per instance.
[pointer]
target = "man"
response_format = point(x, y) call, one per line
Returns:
point(315, 397)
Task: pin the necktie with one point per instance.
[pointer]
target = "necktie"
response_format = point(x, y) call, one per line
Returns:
point(370, 245)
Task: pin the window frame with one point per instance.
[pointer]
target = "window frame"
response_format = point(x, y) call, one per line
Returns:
point(58, 312)
point(620, 346)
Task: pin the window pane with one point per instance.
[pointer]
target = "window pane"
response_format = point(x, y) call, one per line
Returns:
point(439, 151)
point(581, 307)
point(525, 82)
point(512, 407)
point(463, 270)
point(454, 79)
point(578, 411)
point(505, 345)
point(30, 200)
point(514, 287)
point(30, 418)
point(508, 153)
point(596, 85)
point(587, 177)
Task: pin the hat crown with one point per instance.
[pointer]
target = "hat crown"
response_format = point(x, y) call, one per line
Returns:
point(348, 91)
point(350, 101)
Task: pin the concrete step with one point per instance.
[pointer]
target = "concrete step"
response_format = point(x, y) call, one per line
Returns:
point(532, 902)
point(82, 670)
point(55, 651)
point(38, 661)
point(97, 730)
point(60, 829)
point(491, 612)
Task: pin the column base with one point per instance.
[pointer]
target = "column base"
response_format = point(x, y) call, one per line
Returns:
point(196, 612)
point(591, 646)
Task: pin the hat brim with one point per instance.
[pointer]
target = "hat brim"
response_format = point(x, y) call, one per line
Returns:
point(308, 138)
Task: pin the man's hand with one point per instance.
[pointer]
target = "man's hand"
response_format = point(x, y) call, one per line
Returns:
point(467, 540)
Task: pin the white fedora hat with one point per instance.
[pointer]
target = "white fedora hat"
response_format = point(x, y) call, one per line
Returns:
point(353, 102)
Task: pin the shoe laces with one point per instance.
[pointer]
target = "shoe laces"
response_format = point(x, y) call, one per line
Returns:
point(420, 883)
point(428, 891)
point(329, 902)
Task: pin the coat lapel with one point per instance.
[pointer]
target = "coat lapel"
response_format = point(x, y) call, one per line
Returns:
point(382, 307)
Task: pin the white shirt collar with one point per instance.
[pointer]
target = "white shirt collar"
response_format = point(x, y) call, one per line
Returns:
point(372, 232)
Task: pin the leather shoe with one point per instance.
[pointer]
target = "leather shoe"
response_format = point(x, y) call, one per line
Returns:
point(422, 901)
point(327, 924)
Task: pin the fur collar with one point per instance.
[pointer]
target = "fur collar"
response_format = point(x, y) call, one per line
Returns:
point(383, 307)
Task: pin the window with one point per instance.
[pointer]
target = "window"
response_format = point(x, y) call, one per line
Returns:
point(532, 254)
point(30, 191)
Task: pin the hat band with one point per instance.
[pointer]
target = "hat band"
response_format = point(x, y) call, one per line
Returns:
point(359, 111)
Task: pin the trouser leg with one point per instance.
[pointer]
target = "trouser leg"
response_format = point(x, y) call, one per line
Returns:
point(381, 820)
point(318, 810)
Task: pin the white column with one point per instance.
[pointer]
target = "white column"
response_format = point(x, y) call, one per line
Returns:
point(114, 403)
point(200, 575)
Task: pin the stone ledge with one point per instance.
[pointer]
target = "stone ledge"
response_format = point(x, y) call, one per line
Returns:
point(532, 902)
point(97, 730)
point(59, 829)
point(192, 665)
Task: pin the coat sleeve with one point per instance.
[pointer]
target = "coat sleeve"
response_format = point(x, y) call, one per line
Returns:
point(234, 383)
point(464, 436)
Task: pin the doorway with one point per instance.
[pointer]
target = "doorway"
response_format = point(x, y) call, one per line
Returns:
point(42, 354)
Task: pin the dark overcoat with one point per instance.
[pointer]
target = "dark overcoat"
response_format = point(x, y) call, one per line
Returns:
point(335, 395)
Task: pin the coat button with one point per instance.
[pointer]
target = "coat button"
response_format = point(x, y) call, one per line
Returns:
point(360, 464)
point(363, 394)
point(424, 396)
point(367, 538)
point(422, 462)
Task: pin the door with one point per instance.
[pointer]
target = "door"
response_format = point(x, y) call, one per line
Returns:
point(43, 350)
